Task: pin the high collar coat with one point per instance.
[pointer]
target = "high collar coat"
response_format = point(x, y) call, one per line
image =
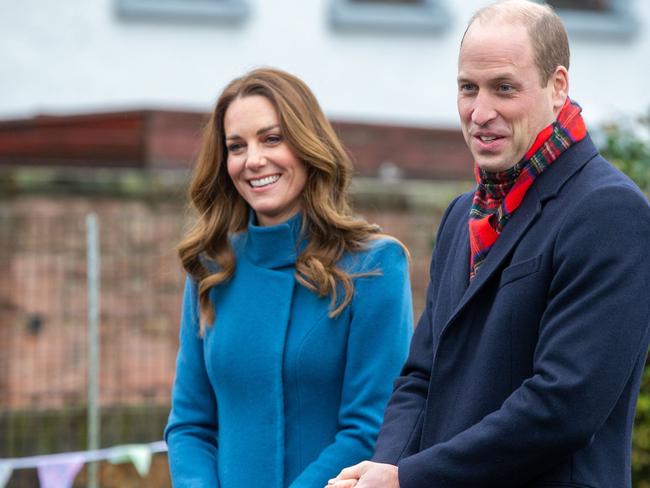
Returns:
point(278, 394)
point(528, 376)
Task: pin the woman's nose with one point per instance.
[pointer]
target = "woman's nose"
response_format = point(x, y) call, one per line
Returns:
point(255, 158)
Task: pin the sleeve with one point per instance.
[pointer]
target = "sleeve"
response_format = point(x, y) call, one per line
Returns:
point(400, 432)
point(191, 431)
point(592, 334)
point(380, 328)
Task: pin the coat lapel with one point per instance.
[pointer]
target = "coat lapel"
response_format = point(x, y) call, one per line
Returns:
point(512, 232)
point(459, 273)
point(547, 186)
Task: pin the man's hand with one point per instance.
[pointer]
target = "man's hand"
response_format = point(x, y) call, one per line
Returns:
point(366, 475)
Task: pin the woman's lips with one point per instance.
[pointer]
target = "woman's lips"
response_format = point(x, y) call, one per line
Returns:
point(263, 181)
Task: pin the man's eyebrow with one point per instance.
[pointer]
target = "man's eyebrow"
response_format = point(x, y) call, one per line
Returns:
point(260, 131)
point(504, 77)
point(495, 79)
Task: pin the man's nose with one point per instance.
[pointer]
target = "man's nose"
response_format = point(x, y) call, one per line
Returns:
point(483, 110)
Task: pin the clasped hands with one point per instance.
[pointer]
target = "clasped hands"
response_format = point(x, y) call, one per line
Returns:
point(366, 475)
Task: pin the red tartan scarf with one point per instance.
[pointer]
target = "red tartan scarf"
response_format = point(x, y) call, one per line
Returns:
point(499, 194)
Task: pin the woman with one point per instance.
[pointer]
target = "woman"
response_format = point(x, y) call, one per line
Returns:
point(296, 314)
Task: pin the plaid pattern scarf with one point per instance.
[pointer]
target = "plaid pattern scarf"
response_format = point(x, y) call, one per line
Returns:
point(499, 194)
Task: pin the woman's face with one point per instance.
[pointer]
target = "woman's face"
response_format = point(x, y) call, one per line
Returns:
point(260, 163)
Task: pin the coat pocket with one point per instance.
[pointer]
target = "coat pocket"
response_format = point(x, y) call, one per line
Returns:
point(520, 270)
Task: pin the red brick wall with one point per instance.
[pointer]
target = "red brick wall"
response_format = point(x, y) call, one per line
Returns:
point(171, 139)
point(43, 264)
point(43, 261)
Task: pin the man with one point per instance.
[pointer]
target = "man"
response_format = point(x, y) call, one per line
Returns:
point(525, 366)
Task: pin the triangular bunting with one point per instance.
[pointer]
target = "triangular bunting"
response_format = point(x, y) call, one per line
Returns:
point(61, 474)
point(138, 454)
point(5, 473)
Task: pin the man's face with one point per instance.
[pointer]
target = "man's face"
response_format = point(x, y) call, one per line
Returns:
point(501, 102)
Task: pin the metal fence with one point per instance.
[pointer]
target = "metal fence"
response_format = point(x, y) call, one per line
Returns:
point(44, 316)
point(44, 319)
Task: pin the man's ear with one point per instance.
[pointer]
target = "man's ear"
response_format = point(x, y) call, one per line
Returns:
point(559, 84)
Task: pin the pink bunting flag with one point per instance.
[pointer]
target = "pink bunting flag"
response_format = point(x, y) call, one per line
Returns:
point(61, 474)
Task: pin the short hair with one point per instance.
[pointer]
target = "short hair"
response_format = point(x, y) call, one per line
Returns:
point(548, 36)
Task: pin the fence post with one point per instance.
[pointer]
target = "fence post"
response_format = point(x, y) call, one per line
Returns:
point(93, 419)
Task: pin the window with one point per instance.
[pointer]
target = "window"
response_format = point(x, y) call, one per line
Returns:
point(225, 10)
point(391, 15)
point(396, 2)
point(594, 5)
point(612, 18)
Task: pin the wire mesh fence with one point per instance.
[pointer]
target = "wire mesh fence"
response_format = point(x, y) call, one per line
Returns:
point(44, 354)
point(44, 323)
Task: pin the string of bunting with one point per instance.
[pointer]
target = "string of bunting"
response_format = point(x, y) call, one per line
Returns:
point(60, 470)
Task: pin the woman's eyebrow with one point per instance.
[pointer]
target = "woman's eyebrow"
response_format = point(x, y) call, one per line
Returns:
point(265, 129)
point(260, 131)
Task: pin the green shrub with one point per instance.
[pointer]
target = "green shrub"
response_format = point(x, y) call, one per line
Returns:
point(641, 439)
point(628, 151)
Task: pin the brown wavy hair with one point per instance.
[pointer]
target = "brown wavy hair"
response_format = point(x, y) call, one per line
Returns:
point(330, 227)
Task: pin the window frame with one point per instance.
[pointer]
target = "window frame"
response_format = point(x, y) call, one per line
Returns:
point(201, 10)
point(426, 16)
point(618, 22)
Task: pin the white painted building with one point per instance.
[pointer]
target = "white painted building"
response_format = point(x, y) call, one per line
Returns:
point(365, 60)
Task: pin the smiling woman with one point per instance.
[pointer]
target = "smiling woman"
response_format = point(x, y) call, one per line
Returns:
point(261, 164)
point(296, 314)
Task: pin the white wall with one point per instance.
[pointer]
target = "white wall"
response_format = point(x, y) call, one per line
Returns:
point(78, 55)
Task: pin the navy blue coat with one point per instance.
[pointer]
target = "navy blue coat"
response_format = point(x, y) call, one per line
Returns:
point(528, 376)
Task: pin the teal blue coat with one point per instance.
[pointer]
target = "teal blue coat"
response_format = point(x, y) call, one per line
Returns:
point(278, 394)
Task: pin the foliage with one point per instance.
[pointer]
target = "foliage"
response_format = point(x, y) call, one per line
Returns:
point(629, 150)
point(641, 439)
